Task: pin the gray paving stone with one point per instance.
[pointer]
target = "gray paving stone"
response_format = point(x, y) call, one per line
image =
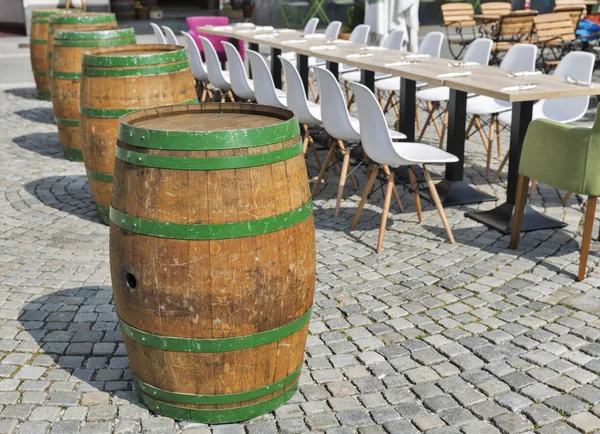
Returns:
point(566, 404)
point(512, 423)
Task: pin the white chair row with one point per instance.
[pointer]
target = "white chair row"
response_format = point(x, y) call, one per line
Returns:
point(168, 37)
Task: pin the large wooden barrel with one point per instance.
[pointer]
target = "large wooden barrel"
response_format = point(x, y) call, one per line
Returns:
point(81, 21)
point(119, 80)
point(123, 9)
point(212, 257)
point(65, 74)
point(40, 20)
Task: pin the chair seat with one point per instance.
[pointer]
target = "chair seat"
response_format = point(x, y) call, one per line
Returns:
point(419, 153)
point(434, 94)
point(484, 105)
point(394, 134)
point(563, 117)
point(392, 84)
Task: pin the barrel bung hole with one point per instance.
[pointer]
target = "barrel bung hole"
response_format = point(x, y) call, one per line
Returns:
point(131, 281)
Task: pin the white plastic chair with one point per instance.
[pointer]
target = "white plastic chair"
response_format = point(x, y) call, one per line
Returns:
point(197, 65)
point(264, 88)
point(339, 125)
point(431, 46)
point(359, 35)
point(170, 36)
point(576, 64)
point(240, 84)
point(520, 57)
point(311, 26)
point(331, 32)
point(217, 77)
point(478, 51)
point(386, 153)
point(158, 34)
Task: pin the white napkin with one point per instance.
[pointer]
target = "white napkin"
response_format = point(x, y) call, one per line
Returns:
point(267, 36)
point(323, 47)
point(454, 74)
point(245, 31)
point(287, 31)
point(223, 28)
point(244, 25)
point(341, 41)
point(402, 63)
point(523, 73)
point(416, 56)
point(356, 55)
point(315, 36)
point(518, 88)
point(264, 28)
point(459, 64)
point(577, 82)
point(372, 48)
point(294, 41)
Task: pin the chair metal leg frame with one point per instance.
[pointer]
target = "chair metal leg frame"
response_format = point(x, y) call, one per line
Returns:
point(331, 161)
point(432, 117)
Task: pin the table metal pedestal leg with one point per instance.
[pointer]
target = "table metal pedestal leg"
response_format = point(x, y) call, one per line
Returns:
point(302, 65)
point(254, 47)
point(276, 67)
point(500, 218)
point(334, 68)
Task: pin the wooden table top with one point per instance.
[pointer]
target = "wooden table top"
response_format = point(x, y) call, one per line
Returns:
point(484, 80)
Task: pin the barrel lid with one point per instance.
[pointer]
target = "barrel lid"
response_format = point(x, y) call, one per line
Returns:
point(208, 126)
point(86, 35)
point(134, 55)
point(48, 12)
point(83, 18)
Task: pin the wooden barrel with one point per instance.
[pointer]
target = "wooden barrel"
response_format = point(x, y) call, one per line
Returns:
point(123, 9)
point(82, 21)
point(40, 20)
point(212, 257)
point(118, 80)
point(65, 74)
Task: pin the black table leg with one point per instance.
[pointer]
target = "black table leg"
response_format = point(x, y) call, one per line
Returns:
point(368, 79)
point(406, 124)
point(276, 67)
point(454, 190)
point(302, 65)
point(500, 218)
point(254, 47)
point(334, 68)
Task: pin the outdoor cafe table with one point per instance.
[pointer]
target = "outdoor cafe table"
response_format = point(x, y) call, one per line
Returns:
point(484, 80)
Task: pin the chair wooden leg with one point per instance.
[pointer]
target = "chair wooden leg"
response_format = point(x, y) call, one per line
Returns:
point(416, 116)
point(305, 140)
point(347, 88)
point(350, 102)
point(434, 121)
point(203, 94)
point(223, 98)
point(386, 169)
point(588, 225)
point(380, 97)
point(231, 97)
point(365, 195)
point(209, 92)
point(499, 171)
point(427, 121)
point(444, 128)
point(386, 208)
point(313, 90)
point(313, 149)
point(532, 189)
point(438, 205)
point(388, 103)
point(328, 158)
point(481, 132)
point(395, 105)
point(566, 197)
point(415, 187)
point(490, 147)
point(498, 129)
point(519, 210)
point(471, 123)
point(344, 172)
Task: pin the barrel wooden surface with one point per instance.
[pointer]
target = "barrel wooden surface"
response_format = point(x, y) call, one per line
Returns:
point(123, 9)
point(40, 20)
point(80, 21)
point(118, 80)
point(212, 259)
point(65, 78)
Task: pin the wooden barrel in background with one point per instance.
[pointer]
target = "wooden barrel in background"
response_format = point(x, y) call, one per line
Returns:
point(123, 9)
point(80, 21)
point(212, 255)
point(40, 20)
point(116, 81)
point(65, 74)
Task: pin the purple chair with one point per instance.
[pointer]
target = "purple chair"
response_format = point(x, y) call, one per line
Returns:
point(194, 22)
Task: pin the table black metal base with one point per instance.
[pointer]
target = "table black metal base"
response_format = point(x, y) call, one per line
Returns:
point(460, 193)
point(500, 219)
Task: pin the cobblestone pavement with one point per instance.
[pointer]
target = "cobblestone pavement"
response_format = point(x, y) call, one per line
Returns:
point(424, 337)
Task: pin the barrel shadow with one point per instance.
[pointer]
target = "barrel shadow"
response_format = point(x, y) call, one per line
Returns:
point(46, 144)
point(24, 92)
point(43, 115)
point(69, 193)
point(77, 328)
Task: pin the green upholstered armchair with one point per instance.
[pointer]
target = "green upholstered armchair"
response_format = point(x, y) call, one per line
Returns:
point(564, 157)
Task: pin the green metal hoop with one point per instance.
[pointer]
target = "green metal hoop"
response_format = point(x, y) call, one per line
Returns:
point(157, 58)
point(217, 231)
point(41, 73)
point(93, 43)
point(73, 154)
point(190, 345)
point(94, 35)
point(67, 122)
point(94, 72)
point(117, 113)
point(38, 41)
point(82, 19)
point(105, 177)
point(65, 75)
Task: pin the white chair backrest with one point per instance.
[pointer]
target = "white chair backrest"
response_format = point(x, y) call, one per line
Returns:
point(395, 40)
point(311, 26)
point(336, 119)
point(374, 134)
point(264, 88)
point(432, 44)
point(213, 66)
point(360, 34)
point(332, 30)
point(296, 97)
point(479, 51)
point(196, 63)
point(580, 66)
point(158, 34)
point(520, 57)
point(237, 72)
point(170, 36)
